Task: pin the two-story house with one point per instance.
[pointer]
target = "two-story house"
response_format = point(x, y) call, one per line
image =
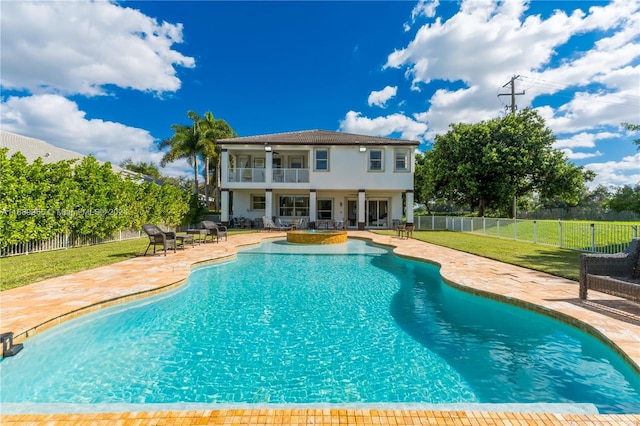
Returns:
point(318, 175)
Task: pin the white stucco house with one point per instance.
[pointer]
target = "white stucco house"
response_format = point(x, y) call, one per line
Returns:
point(318, 175)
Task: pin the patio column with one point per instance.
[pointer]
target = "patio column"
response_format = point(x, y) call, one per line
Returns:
point(361, 211)
point(409, 206)
point(268, 202)
point(224, 213)
point(224, 166)
point(268, 164)
point(312, 205)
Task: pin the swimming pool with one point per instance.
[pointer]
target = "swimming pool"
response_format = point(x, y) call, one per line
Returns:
point(348, 323)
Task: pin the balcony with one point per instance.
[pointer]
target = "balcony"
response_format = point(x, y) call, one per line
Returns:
point(247, 175)
point(290, 176)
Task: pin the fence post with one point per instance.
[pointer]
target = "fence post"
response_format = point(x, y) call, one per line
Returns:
point(635, 231)
point(498, 227)
point(593, 237)
point(484, 225)
point(515, 231)
point(433, 222)
point(535, 236)
point(462, 224)
point(560, 233)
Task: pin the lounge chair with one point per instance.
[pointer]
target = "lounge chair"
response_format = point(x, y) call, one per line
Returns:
point(218, 231)
point(282, 226)
point(268, 224)
point(616, 274)
point(157, 237)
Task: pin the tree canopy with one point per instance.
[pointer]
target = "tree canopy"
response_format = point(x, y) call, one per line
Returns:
point(196, 141)
point(149, 169)
point(487, 164)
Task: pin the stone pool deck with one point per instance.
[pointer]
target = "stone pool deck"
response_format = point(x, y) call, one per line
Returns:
point(29, 309)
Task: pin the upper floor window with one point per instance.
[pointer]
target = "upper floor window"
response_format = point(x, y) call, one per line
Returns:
point(375, 160)
point(402, 160)
point(322, 160)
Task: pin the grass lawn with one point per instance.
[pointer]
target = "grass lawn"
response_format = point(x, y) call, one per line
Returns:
point(17, 271)
point(552, 260)
point(22, 270)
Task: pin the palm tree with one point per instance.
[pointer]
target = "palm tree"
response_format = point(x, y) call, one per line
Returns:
point(187, 142)
point(213, 129)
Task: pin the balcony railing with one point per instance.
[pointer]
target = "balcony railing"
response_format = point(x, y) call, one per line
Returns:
point(247, 175)
point(278, 175)
point(290, 176)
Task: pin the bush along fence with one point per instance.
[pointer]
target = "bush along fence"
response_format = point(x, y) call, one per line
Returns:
point(61, 205)
point(596, 237)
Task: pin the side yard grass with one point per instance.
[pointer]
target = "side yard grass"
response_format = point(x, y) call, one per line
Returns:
point(552, 260)
point(17, 271)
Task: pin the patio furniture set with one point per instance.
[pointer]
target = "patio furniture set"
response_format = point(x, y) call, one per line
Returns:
point(616, 274)
point(170, 240)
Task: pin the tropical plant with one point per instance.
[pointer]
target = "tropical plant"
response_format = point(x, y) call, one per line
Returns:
point(38, 201)
point(187, 143)
point(213, 129)
point(197, 140)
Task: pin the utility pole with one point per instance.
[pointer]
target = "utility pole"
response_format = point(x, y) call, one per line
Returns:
point(513, 107)
point(513, 93)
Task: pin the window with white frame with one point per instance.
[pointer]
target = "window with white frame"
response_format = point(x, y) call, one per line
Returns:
point(322, 159)
point(293, 205)
point(258, 202)
point(402, 160)
point(325, 209)
point(375, 160)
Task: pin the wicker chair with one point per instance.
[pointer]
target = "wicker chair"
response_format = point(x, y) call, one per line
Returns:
point(157, 237)
point(616, 274)
point(215, 230)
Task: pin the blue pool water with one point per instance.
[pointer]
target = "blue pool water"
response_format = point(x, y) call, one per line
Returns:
point(349, 323)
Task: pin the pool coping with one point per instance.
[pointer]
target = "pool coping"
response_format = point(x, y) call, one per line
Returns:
point(462, 270)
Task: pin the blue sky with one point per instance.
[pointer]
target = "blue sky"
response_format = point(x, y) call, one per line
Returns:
point(109, 78)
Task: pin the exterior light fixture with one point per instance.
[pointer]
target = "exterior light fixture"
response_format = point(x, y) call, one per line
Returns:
point(363, 148)
point(267, 148)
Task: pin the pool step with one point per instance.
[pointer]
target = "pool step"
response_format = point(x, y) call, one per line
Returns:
point(8, 348)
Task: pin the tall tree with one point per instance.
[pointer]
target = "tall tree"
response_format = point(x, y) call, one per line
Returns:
point(187, 142)
point(213, 129)
point(626, 198)
point(489, 163)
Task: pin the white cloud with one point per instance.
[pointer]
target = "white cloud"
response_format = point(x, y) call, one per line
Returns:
point(58, 121)
point(584, 140)
point(380, 98)
point(409, 129)
point(617, 173)
point(426, 8)
point(474, 52)
point(80, 47)
point(571, 155)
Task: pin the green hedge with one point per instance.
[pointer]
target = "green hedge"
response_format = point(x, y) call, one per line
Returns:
point(38, 201)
